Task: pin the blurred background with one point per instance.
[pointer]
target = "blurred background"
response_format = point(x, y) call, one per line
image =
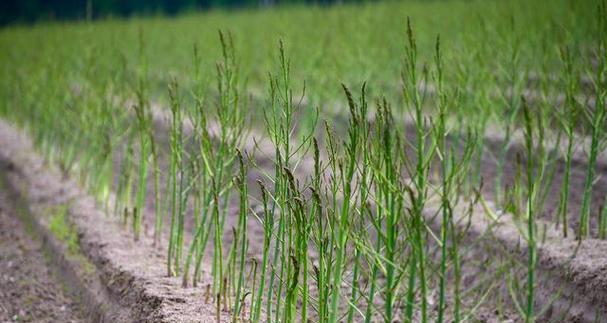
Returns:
point(28, 11)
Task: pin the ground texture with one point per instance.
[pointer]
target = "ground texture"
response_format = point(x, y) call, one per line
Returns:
point(29, 291)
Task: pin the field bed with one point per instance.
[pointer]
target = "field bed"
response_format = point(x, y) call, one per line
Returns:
point(571, 276)
point(572, 279)
point(489, 168)
point(117, 279)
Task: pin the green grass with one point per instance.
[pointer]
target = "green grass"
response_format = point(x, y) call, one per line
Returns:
point(66, 233)
point(62, 230)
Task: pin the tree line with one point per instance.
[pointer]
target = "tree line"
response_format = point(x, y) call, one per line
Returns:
point(29, 11)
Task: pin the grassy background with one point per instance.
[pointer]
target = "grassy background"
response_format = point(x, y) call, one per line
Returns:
point(327, 46)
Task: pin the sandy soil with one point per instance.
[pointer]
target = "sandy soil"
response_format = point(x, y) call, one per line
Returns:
point(477, 261)
point(484, 314)
point(29, 290)
point(125, 281)
point(141, 284)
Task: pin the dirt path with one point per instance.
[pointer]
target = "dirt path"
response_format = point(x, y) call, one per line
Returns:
point(29, 292)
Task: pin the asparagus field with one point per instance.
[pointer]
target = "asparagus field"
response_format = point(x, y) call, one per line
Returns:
point(396, 161)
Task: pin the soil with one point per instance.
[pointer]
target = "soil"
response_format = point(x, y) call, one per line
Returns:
point(576, 269)
point(143, 283)
point(123, 280)
point(29, 288)
point(494, 143)
point(571, 277)
point(489, 169)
